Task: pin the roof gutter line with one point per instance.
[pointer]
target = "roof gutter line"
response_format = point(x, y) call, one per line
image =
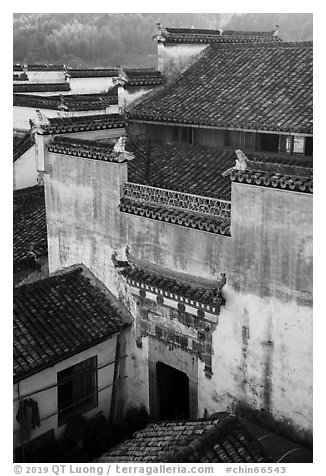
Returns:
point(199, 126)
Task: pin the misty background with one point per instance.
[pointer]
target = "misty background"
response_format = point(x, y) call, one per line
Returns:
point(110, 39)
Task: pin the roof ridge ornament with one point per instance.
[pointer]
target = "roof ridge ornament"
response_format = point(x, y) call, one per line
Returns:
point(162, 33)
point(241, 161)
point(63, 105)
point(120, 145)
point(40, 120)
point(122, 77)
point(275, 34)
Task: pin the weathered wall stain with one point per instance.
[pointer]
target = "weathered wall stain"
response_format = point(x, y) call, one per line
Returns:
point(261, 349)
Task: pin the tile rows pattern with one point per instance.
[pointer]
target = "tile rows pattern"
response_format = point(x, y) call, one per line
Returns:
point(181, 167)
point(45, 67)
point(91, 73)
point(84, 123)
point(86, 149)
point(21, 145)
point(29, 225)
point(41, 87)
point(144, 77)
point(258, 87)
point(57, 317)
point(192, 288)
point(79, 102)
point(275, 175)
point(192, 35)
point(195, 441)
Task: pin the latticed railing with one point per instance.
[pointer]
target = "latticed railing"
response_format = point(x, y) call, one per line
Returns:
point(176, 200)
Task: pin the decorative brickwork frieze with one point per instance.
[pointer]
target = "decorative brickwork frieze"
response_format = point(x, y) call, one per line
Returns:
point(172, 199)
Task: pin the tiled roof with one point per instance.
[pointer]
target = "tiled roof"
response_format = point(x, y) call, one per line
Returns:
point(78, 102)
point(29, 226)
point(192, 35)
point(295, 174)
point(92, 73)
point(60, 316)
point(263, 87)
point(182, 167)
point(220, 439)
point(46, 67)
point(84, 123)
point(169, 283)
point(41, 87)
point(144, 77)
point(223, 440)
point(87, 149)
point(21, 145)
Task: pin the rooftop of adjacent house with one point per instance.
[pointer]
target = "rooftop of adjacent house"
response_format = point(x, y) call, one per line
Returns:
point(57, 317)
point(293, 174)
point(182, 167)
point(198, 170)
point(92, 72)
point(136, 77)
point(105, 150)
point(21, 145)
point(60, 125)
point(193, 441)
point(247, 86)
point(41, 87)
point(144, 77)
point(45, 67)
point(194, 35)
point(222, 438)
point(72, 102)
point(29, 226)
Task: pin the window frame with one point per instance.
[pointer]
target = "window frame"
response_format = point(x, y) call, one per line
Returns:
point(72, 389)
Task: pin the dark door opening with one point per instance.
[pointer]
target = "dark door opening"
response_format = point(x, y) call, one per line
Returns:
point(172, 393)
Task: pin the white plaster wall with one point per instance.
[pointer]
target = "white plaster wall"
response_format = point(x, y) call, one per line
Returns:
point(47, 400)
point(269, 369)
point(22, 115)
point(46, 76)
point(125, 97)
point(25, 170)
point(90, 85)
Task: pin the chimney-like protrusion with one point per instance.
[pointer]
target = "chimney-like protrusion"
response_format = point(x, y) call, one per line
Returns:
point(221, 31)
point(120, 81)
point(276, 30)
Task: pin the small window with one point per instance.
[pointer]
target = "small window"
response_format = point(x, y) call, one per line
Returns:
point(286, 144)
point(298, 145)
point(77, 389)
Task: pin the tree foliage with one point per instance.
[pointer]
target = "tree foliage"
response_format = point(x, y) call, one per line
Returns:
point(108, 39)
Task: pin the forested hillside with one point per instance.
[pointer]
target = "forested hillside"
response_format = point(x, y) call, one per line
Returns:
point(108, 39)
